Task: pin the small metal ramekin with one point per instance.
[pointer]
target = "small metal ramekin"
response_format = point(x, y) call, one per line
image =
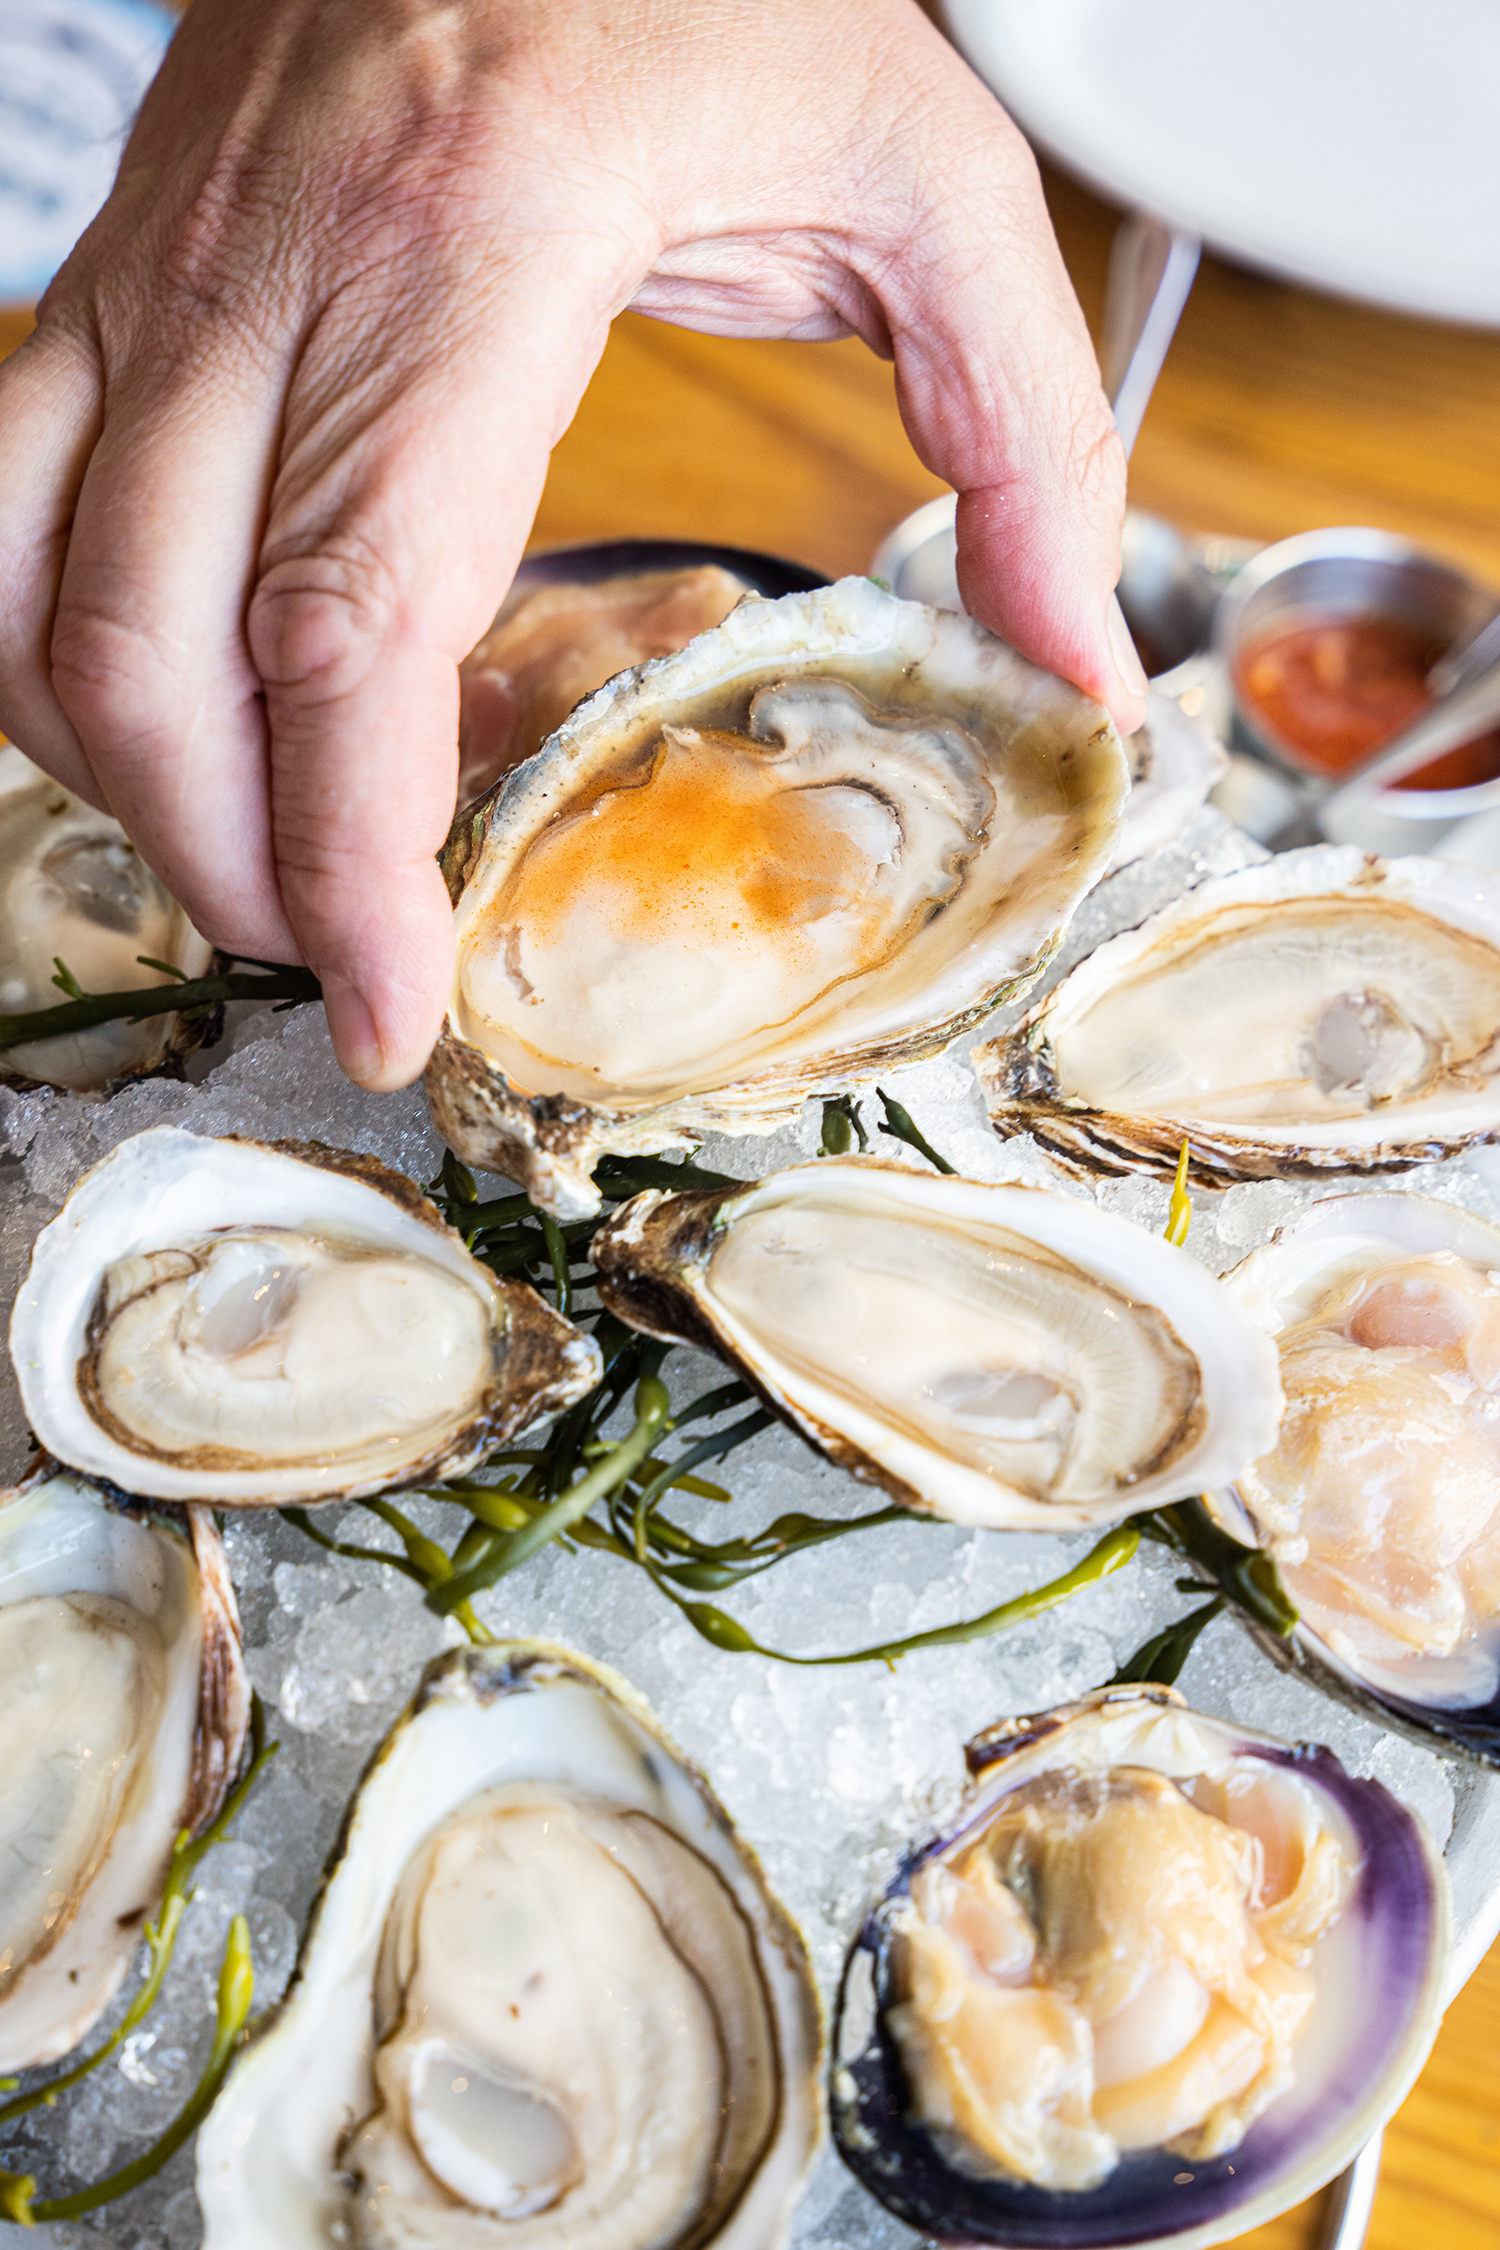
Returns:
point(1353, 571)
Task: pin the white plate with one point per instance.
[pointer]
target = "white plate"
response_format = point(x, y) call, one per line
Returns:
point(1349, 143)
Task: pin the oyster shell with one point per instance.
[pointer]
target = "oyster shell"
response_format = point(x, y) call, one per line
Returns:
point(1003, 1356)
point(545, 1999)
point(1381, 1499)
point(1162, 1981)
point(74, 888)
point(1174, 762)
point(577, 615)
point(254, 1323)
point(126, 1707)
point(824, 838)
point(1319, 1011)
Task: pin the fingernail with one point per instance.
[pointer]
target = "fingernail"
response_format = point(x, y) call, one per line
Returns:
point(352, 1030)
point(1128, 663)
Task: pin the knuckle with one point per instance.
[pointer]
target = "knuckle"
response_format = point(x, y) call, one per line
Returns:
point(318, 621)
point(106, 674)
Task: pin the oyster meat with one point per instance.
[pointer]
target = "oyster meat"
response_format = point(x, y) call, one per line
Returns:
point(824, 838)
point(74, 888)
point(126, 1706)
point(1162, 1982)
point(253, 1324)
point(1003, 1356)
point(1381, 1498)
point(1318, 1011)
point(545, 1999)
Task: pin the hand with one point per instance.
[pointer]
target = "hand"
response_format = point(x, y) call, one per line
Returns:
point(272, 454)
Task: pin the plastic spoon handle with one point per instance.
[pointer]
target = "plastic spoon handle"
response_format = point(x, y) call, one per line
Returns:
point(1151, 270)
point(1466, 660)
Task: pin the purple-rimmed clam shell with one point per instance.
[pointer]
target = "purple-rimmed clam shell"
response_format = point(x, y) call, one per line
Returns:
point(1364, 2045)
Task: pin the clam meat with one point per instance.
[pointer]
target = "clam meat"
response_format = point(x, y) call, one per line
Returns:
point(73, 888)
point(126, 1707)
point(1319, 1011)
point(1161, 1982)
point(1005, 1356)
point(825, 837)
point(1381, 1499)
point(545, 1999)
point(254, 1323)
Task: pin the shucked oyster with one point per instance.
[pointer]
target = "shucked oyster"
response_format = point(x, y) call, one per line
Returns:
point(825, 837)
point(1164, 1980)
point(997, 1355)
point(252, 1324)
point(74, 888)
point(1320, 1011)
point(125, 1708)
point(1381, 1498)
point(545, 2000)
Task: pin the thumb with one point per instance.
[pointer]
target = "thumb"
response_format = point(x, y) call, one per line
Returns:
point(1000, 394)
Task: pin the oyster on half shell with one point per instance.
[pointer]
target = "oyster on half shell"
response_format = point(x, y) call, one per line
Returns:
point(126, 1706)
point(252, 1323)
point(824, 838)
point(1162, 1979)
point(1381, 1499)
point(1320, 1011)
point(546, 1999)
point(74, 888)
point(1004, 1356)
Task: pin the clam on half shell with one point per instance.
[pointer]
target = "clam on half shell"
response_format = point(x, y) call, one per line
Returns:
point(126, 1707)
point(1321, 1011)
point(1005, 1356)
point(74, 888)
point(1381, 1498)
point(1162, 1980)
point(822, 839)
point(545, 1999)
point(252, 1323)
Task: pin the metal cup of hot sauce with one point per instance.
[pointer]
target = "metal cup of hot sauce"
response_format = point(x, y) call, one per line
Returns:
point(1342, 573)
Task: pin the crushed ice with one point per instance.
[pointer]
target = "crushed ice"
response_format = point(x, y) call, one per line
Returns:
point(827, 1773)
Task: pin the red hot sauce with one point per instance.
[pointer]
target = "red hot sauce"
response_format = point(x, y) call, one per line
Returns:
point(1332, 692)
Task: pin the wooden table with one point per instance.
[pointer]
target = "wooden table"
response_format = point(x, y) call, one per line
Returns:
point(1279, 409)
